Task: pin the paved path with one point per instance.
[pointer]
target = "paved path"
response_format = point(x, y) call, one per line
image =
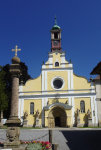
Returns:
point(68, 139)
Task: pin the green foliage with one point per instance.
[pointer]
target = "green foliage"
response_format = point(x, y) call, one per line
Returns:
point(35, 146)
point(3, 96)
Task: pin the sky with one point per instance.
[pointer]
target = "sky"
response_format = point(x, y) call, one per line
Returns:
point(27, 24)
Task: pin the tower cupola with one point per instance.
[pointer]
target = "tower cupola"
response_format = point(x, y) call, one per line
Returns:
point(55, 37)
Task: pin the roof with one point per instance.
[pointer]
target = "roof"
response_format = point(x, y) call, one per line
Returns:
point(97, 69)
point(98, 77)
point(55, 27)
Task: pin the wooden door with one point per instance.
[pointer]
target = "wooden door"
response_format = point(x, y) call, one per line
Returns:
point(51, 123)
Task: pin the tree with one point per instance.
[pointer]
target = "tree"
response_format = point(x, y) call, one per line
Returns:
point(3, 96)
point(8, 80)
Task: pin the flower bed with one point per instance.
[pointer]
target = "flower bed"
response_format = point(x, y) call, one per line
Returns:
point(35, 145)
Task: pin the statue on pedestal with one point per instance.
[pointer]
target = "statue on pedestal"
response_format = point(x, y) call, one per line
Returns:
point(89, 114)
point(78, 118)
point(25, 121)
point(37, 119)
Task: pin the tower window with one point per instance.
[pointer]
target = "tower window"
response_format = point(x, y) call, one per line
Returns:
point(55, 35)
point(56, 64)
point(31, 108)
point(82, 106)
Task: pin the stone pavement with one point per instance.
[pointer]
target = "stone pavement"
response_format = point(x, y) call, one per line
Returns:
point(67, 138)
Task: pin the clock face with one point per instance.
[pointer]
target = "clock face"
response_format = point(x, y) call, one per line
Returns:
point(55, 42)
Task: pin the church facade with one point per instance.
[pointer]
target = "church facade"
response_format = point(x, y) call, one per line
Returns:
point(58, 93)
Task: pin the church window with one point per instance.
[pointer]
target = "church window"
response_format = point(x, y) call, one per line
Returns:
point(56, 64)
point(31, 108)
point(82, 106)
point(55, 35)
point(57, 84)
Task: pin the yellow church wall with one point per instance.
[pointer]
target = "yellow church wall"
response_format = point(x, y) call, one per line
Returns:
point(80, 83)
point(33, 85)
point(51, 75)
point(53, 100)
point(83, 116)
point(37, 105)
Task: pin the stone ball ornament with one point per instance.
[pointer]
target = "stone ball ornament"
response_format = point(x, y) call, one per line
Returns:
point(15, 60)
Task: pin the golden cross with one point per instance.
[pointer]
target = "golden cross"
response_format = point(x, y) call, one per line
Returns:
point(16, 50)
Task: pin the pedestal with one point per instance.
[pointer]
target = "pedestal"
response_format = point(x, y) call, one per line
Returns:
point(78, 123)
point(90, 122)
point(99, 122)
point(13, 132)
point(37, 122)
point(25, 123)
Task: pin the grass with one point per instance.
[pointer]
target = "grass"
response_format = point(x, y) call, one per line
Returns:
point(5, 127)
point(89, 127)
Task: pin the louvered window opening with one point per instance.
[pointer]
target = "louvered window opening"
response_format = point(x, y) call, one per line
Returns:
point(31, 108)
point(82, 106)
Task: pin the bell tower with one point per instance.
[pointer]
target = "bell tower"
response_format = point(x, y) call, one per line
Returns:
point(55, 37)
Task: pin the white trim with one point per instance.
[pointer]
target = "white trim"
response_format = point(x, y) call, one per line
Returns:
point(60, 78)
point(69, 101)
point(95, 103)
point(57, 69)
point(42, 112)
point(61, 95)
point(70, 65)
point(19, 101)
point(22, 109)
point(73, 110)
point(46, 100)
point(63, 60)
point(92, 108)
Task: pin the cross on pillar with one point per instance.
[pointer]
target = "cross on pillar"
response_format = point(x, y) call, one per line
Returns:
point(16, 50)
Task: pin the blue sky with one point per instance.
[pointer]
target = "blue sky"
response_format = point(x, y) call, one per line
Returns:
point(27, 23)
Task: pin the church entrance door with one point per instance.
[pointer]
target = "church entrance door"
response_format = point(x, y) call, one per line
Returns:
point(57, 121)
point(57, 117)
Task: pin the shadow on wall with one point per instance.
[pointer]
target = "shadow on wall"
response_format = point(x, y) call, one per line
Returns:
point(83, 140)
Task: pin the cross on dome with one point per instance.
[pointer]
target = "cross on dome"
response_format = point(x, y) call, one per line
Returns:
point(16, 50)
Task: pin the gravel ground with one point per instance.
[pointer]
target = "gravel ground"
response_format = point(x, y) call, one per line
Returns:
point(70, 139)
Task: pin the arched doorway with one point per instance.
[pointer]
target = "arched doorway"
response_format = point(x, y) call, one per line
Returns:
point(57, 118)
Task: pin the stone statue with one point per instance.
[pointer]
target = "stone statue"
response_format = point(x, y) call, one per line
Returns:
point(25, 115)
point(89, 114)
point(66, 102)
point(48, 103)
point(37, 113)
point(78, 112)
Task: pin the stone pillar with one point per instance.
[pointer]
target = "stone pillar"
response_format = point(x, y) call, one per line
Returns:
point(13, 123)
point(1, 118)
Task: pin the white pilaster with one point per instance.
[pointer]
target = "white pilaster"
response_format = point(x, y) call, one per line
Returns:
point(19, 102)
point(73, 116)
point(42, 80)
point(42, 112)
point(92, 108)
point(69, 101)
point(95, 103)
point(22, 110)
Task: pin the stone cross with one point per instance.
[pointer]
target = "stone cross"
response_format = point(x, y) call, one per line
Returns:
point(16, 50)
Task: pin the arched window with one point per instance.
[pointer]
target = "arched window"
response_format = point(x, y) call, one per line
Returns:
point(56, 64)
point(82, 106)
point(31, 108)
